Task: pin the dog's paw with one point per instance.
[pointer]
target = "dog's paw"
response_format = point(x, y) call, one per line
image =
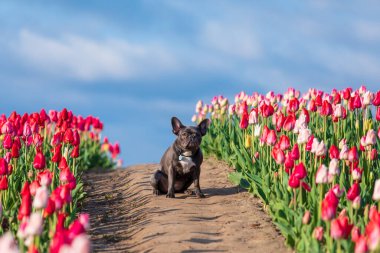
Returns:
point(199, 194)
point(170, 195)
point(156, 192)
point(189, 192)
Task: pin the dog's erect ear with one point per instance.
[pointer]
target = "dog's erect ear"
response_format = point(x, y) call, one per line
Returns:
point(203, 126)
point(177, 125)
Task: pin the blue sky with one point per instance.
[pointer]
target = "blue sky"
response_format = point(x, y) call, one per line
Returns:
point(135, 64)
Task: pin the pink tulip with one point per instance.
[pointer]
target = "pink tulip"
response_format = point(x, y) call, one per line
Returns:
point(45, 177)
point(278, 155)
point(321, 149)
point(357, 202)
point(334, 167)
point(318, 233)
point(41, 198)
point(306, 217)
point(271, 138)
point(340, 228)
point(376, 191)
point(284, 142)
point(329, 206)
point(357, 174)
point(35, 225)
point(321, 176)
point(253, 117)
point(361, 245)
point(303, 136)
point(355, 234)
point(8, 244)
point(338, 191)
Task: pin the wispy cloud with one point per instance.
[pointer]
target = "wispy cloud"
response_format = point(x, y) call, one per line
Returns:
point(89, 59)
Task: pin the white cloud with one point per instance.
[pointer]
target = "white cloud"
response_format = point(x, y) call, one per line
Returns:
point(231, 39)
point(367, 30)
point(89, 59)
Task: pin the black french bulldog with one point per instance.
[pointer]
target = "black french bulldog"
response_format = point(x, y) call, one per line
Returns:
point(181, 163)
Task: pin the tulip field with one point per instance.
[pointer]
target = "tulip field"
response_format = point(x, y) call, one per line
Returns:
point(43, 156)
point(312, 158)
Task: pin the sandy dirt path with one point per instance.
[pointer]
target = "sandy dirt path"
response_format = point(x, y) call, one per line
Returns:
point(126, 217)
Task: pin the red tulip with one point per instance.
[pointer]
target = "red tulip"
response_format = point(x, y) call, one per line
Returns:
point(39, 161)
point(68, 137)
point(26, 202)
point(334, 152)
point(372, 231)
point(264, 134)
point(289, 123)
point(295, 153)
point(3, 183)
point(337, 99)
point(7, 142)
point(56, 158)
point(3, 167)
point(284, 142)
point(244, 121)
point(289, 163)
point(340, 228)
point(50, 208)
point(318, 100)
point(76, 138)
point(306, 186)
point(353, 154)
point(293, 105)
point(376, 99)
point(312, 106)
point(309, 143)
point(347, 93)
point(294, 182)
point(374, 154)
point(37, 140)
point(63, 164)
point(300, 171)
point(355, 234)
point(75, 152)
point(353, 192)
point(15, 151)
point(357, 102)
point(378, 113)
point(329, 205)
point(266, 110)
point(326, 109)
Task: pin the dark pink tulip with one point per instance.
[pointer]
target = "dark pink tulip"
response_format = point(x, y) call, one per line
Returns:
point(289, 123)
point(3, 183)
point(244, 121)
point(329, 205)
point(50, 208)
point(57, 155)
point(326, 109)
point(353, 192)
point(75, 152)
point(312, 106)
point(355, 234)
point(62, 164)
point(15, 151)
point(300, 171)
point(309, 143)
point(306, 186)
point(334, 152)
point(357, 102)
point(289, 163)
point(76, 138)
point(295, 153)
point(7, 142)
point(45, 177)
point(284, 142)
point(39, 161)
point(374, 154)
point(293, 105)
point(294, 182)
point(361, 245)
point(378, 114)
point(353, 154)
point(3, 167)
point(68, 137)
point(337, 99)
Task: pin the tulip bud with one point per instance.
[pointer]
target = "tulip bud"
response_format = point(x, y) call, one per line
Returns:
point(318, 233)
point(356, 202)
point(306, 217)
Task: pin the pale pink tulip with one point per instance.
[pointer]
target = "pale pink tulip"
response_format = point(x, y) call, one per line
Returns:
point(321, 176)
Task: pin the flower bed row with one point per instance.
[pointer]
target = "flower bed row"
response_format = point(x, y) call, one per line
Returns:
point(42, 157)
point(312, 159)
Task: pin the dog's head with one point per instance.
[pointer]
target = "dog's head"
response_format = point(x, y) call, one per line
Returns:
point(189, 137)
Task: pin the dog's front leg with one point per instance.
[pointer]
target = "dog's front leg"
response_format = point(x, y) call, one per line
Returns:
point(171, 177)
point(198, 191)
